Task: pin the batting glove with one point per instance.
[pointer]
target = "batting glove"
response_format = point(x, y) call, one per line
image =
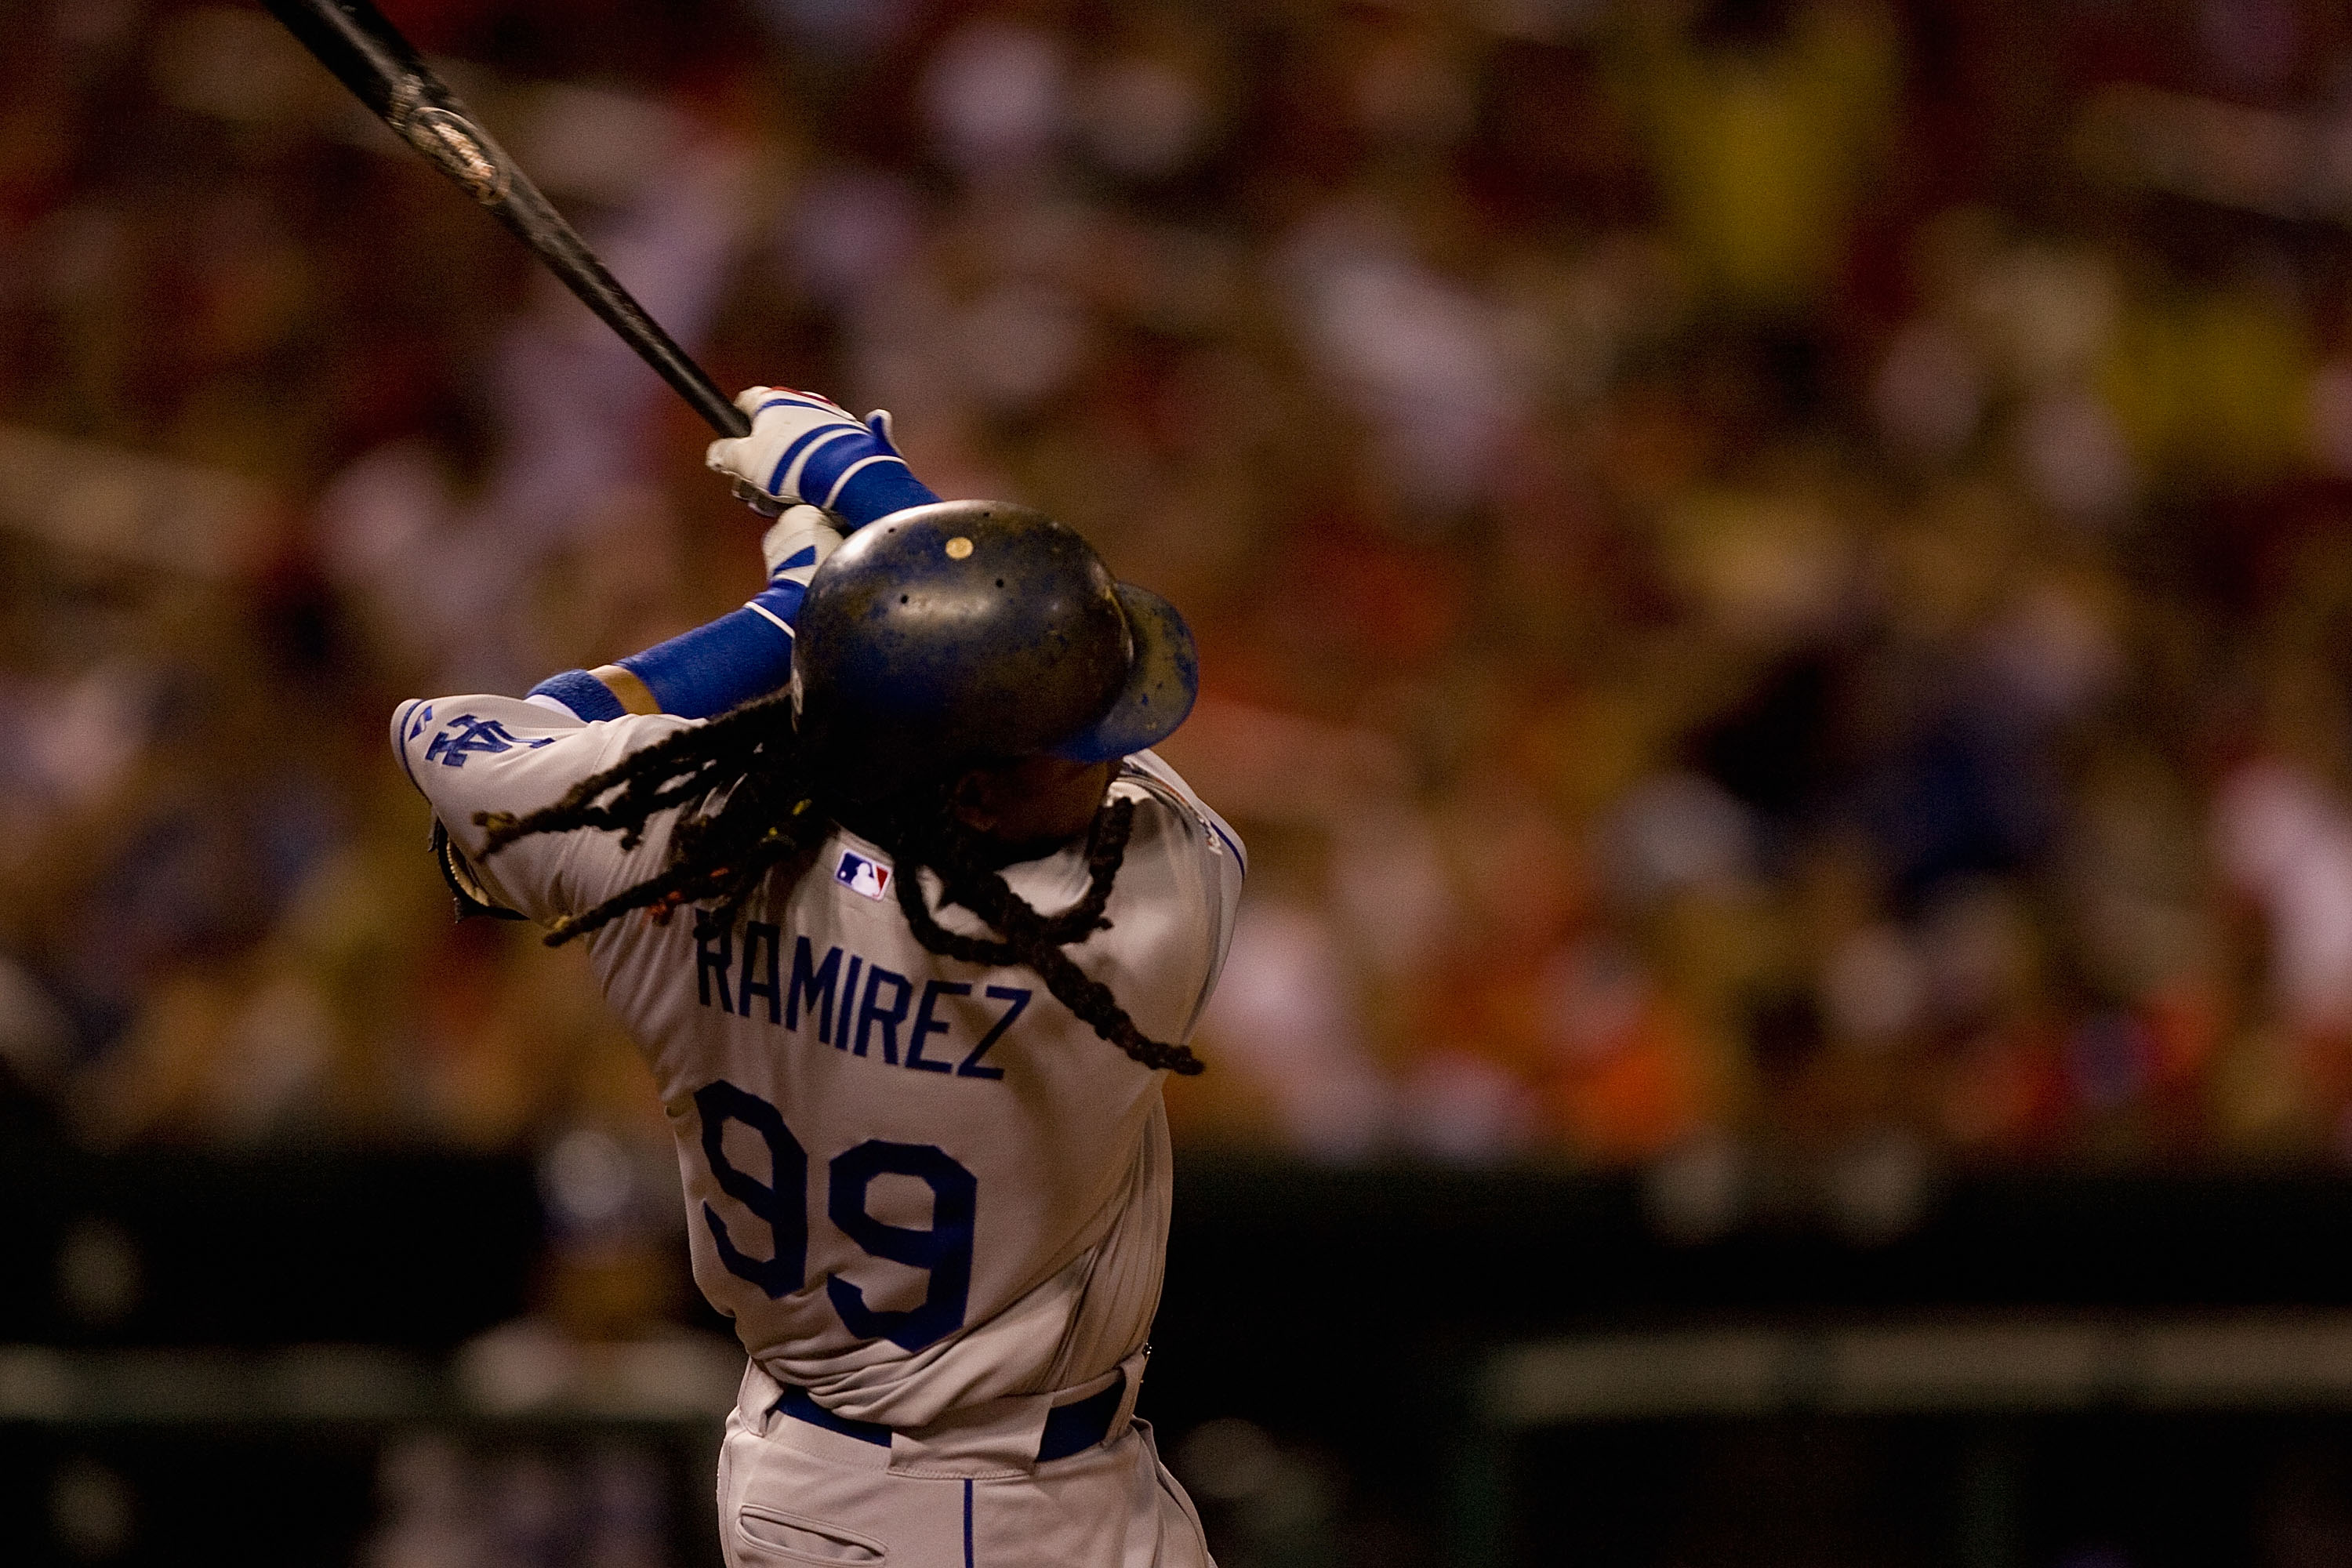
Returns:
point(797, 545)
point(808, 451)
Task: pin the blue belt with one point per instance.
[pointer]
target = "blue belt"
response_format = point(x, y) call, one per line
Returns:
point(1069, 1428)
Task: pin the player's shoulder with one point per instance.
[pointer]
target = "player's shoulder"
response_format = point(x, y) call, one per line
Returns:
point(1147, 777)
point(450, 733)
point(476, 723)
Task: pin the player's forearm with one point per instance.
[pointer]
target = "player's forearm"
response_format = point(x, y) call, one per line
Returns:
point(806, 450)
point(876, 490)
point(745, 653)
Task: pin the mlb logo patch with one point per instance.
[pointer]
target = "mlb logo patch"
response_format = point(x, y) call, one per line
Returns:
point(860, 875)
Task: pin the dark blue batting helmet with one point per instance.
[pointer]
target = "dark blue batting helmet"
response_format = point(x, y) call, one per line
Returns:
point(968, 632)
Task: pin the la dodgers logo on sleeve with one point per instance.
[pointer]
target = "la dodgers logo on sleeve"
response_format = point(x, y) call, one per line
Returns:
point(860, 875)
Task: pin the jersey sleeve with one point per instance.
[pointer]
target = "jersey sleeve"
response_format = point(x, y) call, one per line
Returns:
point(468, 755)
point(1215, 862)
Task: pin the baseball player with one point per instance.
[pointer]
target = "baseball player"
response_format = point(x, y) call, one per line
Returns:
point(882, 875)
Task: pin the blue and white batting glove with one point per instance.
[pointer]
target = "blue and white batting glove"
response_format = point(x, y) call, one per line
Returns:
point(794, 549)
point(808, 450)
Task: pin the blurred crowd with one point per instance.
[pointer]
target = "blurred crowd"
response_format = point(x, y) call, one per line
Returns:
point(1773, 575)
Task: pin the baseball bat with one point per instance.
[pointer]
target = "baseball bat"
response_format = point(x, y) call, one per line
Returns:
point(367, 54)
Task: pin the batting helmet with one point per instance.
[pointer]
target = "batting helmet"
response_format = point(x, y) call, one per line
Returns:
point(968, 632)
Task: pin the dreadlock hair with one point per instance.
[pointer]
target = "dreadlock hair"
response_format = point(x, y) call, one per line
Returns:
point(754, 800)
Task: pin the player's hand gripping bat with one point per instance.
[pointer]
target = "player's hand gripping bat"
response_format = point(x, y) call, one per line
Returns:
point(366, 53)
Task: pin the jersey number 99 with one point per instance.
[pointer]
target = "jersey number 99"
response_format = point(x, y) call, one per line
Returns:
point(944, 1250)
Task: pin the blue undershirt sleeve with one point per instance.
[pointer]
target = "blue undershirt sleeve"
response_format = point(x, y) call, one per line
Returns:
point(713, 668)
point(583, 694)
point(744, 654)
point(853, 472)
point(876, 491)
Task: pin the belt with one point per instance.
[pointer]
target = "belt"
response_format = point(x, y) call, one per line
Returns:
point(1069, 1428)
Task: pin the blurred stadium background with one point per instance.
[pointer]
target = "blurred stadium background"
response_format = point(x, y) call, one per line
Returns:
point(1774, 585)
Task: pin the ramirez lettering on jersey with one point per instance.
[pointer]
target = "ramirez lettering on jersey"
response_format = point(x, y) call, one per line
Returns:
point(857, 1005)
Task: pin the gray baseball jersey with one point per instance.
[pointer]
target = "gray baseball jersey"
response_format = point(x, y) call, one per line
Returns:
point(914, 1183)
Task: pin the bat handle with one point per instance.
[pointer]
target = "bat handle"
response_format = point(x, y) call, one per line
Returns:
point(539, 225)
point(671, 364)
point(758, 500)
point(698, 389)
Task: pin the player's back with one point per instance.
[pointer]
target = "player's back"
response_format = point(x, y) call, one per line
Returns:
point(915, 1184)
point(918, 1182)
